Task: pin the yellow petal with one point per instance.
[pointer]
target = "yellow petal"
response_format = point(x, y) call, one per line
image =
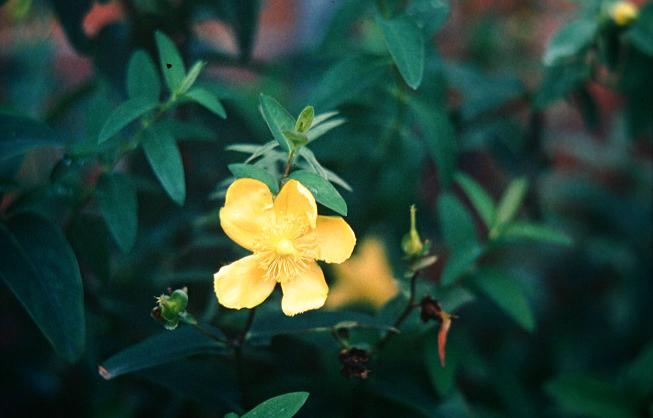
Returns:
point(242, 284)
point(296, 204)
point(306, 291)
point(335, 239)
point(247, 209)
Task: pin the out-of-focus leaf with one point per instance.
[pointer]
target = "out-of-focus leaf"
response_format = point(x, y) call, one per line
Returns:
point(19, 134)
point(406, 45)
point(282, 406)
point(323, 191)
point(588, 397)
point(570, 40)
point(439, 137)
point(641, 33)
point(191, 77)
point(172, 66)
point(163, 155)
point(277, 118)
point(254, 172)
point(456, 223)
point(163, 348)
point(207, 99)
point(442, 378)
point(345, 81)
point(481, 200)
point(187, 131)
point(142, 77)
point(322, 117)
point(40, 268)
point(124, 114)
point(116, 197)
point(639, 371)
point(508, 294)
point(511, 201)
point(536, 232)
point(89, 237)
point(459, 263)
point(560, 80)
point(430, 15)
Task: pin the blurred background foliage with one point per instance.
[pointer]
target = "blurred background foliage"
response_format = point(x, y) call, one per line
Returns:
point(521, 130)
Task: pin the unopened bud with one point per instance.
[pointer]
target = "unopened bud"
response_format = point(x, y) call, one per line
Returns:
point(623, 13)
point(412, 244)
point(305, 119)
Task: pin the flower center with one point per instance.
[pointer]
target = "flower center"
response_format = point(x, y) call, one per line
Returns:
point(285, 247)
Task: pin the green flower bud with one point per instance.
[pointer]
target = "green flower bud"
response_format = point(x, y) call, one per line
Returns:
point(412, 244)
point(171, 308)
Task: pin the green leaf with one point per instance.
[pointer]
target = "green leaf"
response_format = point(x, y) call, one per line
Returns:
point(560, 80)
point(536, 232)
point(459, 263)
point(430, 15)
point(278, 120)
point(570, 40)
point(406, 45)
point(322, 190)
point(456, 223)
point(639, 371)
point(172, 66)
point(163, 155)
point(439, 137)
point(641, 32)
point(323, 128)
point(254, 172)
point(116, 197)
point(40, 268)
point(160, 349)
point(480, 199)
point(589, 397)
point(442, 378)
point(282, 406)
point(305, 119)
point(124, 114)
point(19, 134)
point(208, 100)
point(191, 77)
point(508, 294)
point(510, 202)
point(142, 77)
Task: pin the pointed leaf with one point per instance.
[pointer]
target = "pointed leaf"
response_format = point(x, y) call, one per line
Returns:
point(459, 263)
point(124, 114)
point(19, 134)
point(511, 201)
point(116, 197)
point(570, 40)
point(160, 349)
point(278, 119)
point(322, 190)
point(456, 223)
point(406, 45)
point(208, 100)
point(172, 66)
point(508, 294)
point(536, 232)
point(163, 155)
point(282, 406)
point(481, 200)
point(142, 77)
point(40, 268)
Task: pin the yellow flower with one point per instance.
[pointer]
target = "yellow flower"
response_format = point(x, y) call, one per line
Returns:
point(624, 13)
point(286, 236)
point(365, 278)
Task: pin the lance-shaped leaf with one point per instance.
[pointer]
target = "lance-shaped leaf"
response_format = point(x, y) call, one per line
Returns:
point(535, 232)
point(19, 134)
point(208, 100)
point(124, 114)
point(588, 397)
point(160, 349)
point(40, 268)
point(254, 172)
point(278, 119)
point(570, 40)
point(282, 406)
point(456, 223)
point(142, 77)
point(481, 200)
point(406, 45)
point(323, 191)
point(163, 155)
point(641, 33)
point(510, 203)
point(116, 197)
point(172, 66)
point(508, 294)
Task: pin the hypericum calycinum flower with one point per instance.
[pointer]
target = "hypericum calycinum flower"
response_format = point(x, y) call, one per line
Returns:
point(286, 236)
point(623, 13)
